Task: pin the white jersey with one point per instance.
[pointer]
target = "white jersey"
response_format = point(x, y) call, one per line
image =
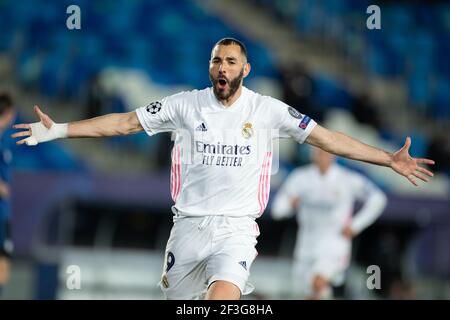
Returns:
point(326, 205)
point(222, 156)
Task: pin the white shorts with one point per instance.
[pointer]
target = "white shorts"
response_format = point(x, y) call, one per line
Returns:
point(331, 267)
point(202, 250)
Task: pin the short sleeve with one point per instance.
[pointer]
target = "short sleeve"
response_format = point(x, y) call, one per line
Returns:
point(288, 122)
point(161, 116)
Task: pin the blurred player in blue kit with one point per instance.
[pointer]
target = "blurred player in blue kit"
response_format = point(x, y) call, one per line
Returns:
point(7, 116)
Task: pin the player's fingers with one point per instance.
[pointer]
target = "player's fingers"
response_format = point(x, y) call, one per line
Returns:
point(21, 141)
point(38, 111)
point(407, 143)
point(21, 126)
point(425, 171)
point(21, 134)
point(426, 161)
point(420, 176)
point(411, 179)
point(43, 117)
point(30, 141)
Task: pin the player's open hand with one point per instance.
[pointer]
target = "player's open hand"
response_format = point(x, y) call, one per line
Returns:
point(407, 166)
point(41, 131)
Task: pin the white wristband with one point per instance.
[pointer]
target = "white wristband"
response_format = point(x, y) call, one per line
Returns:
point(39, 133)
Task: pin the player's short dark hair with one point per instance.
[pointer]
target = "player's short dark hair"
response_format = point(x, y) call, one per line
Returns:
point(230, 41)
point(6, 102)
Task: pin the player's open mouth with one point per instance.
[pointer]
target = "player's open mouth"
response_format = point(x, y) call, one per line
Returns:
point(222, 83)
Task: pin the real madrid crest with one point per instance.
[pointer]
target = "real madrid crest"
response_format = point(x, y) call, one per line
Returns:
point(247, 130)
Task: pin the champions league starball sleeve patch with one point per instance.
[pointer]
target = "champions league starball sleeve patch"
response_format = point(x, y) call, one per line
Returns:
point(154, 107)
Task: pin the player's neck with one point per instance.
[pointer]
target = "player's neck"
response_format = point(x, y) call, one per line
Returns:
point(324, 169)
point(232, 99)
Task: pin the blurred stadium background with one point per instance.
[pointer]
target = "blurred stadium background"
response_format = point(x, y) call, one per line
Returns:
point(104, 204)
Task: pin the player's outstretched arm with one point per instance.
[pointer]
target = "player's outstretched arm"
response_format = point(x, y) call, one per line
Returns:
point(345, 146)
point(46, 129)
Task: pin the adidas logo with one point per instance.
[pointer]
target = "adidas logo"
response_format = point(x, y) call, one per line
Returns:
point(201, 127)
point(243, 264)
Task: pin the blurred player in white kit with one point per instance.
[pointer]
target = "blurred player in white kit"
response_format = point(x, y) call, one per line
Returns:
point(322, 195)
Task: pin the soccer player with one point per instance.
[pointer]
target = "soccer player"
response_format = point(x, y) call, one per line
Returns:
point(7, 115)
point(220, 179)
point(323, 195)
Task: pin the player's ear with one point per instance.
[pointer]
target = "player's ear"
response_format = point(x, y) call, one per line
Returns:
point(247, 68)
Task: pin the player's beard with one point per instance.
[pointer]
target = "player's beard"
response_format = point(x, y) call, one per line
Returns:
point(233, 86)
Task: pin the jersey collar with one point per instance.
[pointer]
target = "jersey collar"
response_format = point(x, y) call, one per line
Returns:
point(216, 103)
